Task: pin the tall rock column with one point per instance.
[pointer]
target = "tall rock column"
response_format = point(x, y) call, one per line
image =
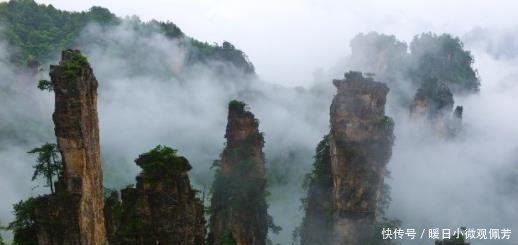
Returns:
point(77, 132)
point(360, 144)
point(239, 210)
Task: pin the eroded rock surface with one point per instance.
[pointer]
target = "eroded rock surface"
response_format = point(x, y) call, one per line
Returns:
point(360, 142)
point(77, 132)
point(161, 209)
point(239, 210)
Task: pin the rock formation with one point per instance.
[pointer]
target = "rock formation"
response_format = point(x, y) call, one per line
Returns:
point(350, 165)
point(73, 214)
point(360, 144)
point(239, 210)
point(161, 209)
point(77, 132)
point(433, 104)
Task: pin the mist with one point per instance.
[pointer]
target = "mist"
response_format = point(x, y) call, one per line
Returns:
point(155, 98)
point(469, 181)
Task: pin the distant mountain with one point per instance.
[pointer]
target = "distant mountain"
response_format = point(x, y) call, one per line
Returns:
point(40, 32)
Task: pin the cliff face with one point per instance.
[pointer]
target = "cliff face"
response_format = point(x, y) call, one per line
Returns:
point(161, 209)
point(239, 210)
point(360, 145)
point(77, 132)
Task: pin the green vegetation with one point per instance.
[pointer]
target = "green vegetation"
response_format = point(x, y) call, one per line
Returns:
point(317, 226)
point(45, 85)
point(39, 32)
point(228, 52)
point(321, 165)
point(23, 224)
point(437, 96)
point(388, 123)
point(160, 159)
point(443, 57)
point(236, 105)
point(122, 221)
point(228, 239)
point(73, 67)
point(48, 164)
point(358, 76)
point(431, 56)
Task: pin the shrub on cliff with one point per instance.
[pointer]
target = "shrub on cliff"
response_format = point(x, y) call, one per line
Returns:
point(23, 224)
point(160, 159)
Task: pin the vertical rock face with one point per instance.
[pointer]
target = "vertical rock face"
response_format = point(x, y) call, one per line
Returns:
point(77, 132)
point(239, 210)
point(162, 209)
point(360, 145)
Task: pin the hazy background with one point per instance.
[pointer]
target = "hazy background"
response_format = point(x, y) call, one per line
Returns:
point(287, 40)
point(470, 181)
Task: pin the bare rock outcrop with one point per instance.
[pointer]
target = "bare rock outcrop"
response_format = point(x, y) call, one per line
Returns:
point(161, 209)
point(346, 184)
point(360, 142)
point(77, 132)
point(238, 206)
point(73, 214)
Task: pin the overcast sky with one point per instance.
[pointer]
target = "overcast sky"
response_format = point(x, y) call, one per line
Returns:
point(288, 40)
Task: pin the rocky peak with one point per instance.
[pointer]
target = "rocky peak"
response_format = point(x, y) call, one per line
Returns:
point(161, 209)
point(359, 102)
point(350, 164)
point(239, 210)
point(243, 140)
point(73, 214)
point(77, 132)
